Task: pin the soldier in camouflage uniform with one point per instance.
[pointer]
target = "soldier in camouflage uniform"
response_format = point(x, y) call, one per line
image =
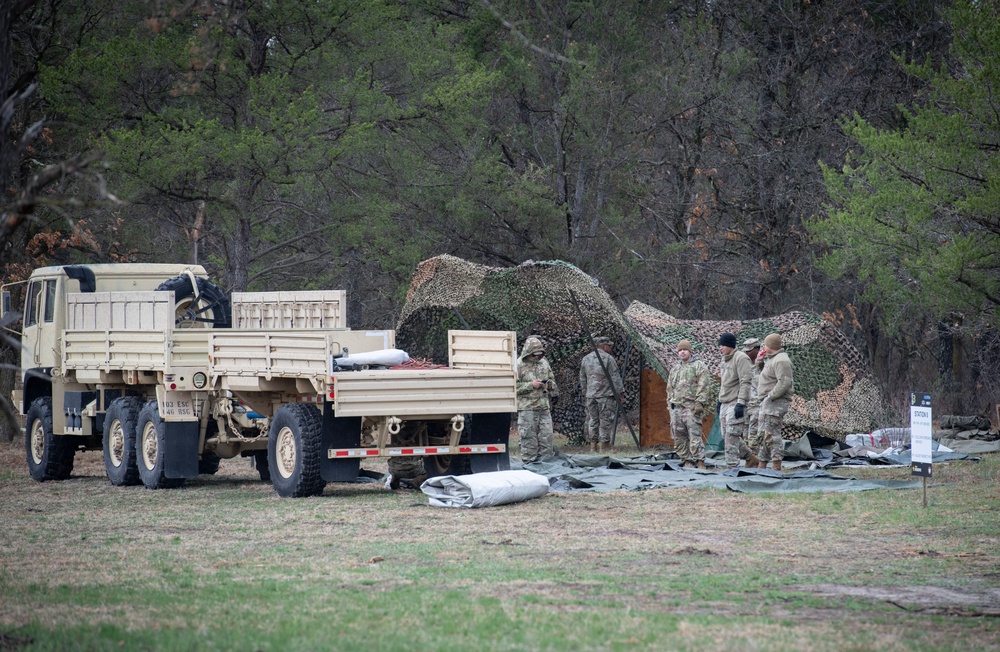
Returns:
point(734, 394)
point(775, 388)
point(407, 470)
point(537, 392)
point(688, 388)
point(599, 392)
point(750, 435)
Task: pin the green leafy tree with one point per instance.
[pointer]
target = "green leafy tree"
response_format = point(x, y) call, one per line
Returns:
point(915, 212)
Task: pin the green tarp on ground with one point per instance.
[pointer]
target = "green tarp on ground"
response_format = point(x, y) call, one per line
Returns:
point(604, 473)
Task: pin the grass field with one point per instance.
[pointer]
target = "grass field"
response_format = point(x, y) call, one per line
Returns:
point(224, 564)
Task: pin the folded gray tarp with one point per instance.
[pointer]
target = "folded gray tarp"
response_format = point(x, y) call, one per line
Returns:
point(484, 489)
point(602, 473)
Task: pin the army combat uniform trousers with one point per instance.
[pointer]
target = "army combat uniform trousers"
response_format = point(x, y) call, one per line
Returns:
point(535, 428)
point(601, 413)
point(732, 431)
point(685, 428)
point(772, 415)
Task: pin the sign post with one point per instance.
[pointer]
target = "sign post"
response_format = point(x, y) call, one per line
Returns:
point(921, 437)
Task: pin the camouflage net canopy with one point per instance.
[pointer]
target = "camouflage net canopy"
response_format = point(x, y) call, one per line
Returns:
point(835, 394)
point(532, 299)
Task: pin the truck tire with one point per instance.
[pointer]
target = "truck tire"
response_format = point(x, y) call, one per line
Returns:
point(263, 468)
point(50, 457)
point(210, 310)
point(149, 445)
point(120, 424)
point(294, 451)
point(435, 465)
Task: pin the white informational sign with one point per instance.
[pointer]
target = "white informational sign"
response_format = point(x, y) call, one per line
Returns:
point(921, 431)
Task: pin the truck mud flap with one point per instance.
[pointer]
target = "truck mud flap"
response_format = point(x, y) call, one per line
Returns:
point(181, 457)
point(490, 429)
point(339, 432)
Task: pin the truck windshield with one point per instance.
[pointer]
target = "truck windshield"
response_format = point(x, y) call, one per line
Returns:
point(50, 300)
point(31, 304)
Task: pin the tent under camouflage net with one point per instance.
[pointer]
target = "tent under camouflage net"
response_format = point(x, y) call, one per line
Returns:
point(835, 395)
point(533, 299)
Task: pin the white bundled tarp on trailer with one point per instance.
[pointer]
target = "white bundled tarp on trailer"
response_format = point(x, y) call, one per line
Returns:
point(484, 489)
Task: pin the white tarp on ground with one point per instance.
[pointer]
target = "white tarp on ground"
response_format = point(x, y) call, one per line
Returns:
point(484, 489)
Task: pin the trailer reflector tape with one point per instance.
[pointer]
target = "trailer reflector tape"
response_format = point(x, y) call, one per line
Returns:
point(336, 453)
point(308, 399)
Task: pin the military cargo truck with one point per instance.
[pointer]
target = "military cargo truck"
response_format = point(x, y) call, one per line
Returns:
point(167, 375)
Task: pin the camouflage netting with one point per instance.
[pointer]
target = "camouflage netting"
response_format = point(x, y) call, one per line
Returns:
point(835, 395)
point(532, 299)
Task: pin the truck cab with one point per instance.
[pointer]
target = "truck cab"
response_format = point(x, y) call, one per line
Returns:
point(44, 316)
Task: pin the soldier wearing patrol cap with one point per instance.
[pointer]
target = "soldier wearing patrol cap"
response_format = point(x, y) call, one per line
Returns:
point(599, 392)
point(751, 347)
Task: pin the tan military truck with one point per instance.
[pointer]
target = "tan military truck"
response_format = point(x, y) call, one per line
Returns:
point(157, 367)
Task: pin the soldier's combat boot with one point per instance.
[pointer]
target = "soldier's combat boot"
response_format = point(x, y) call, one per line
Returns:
point(701, 465)
point(752, 461)
point(600, 447)
point(761, 464)
point(592, 446)
point(776, 465)
point(415, 482)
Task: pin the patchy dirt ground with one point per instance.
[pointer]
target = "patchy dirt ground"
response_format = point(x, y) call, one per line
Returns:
point(877, 548)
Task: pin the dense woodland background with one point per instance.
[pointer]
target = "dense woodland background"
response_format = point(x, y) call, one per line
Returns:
point(716, 159)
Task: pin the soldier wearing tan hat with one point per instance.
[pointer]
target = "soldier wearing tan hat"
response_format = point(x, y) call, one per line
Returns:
point(775, 387)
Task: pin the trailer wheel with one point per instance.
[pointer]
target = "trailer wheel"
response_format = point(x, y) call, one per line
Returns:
point(211, 309)
point(263, 468)
point(149, 449)
point(50, 457)
point(119, 441)
point(294, 451)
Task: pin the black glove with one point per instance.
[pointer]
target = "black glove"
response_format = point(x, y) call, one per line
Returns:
point(718, 407)
point(738, 411)
point(553, 400)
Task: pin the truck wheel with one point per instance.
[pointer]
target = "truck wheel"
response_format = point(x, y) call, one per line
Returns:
point(294, 451)
point(210, 310)
point(263, 469)
point(119, 441)
point(50, 457)
point(435, 465)
point(149, 445)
